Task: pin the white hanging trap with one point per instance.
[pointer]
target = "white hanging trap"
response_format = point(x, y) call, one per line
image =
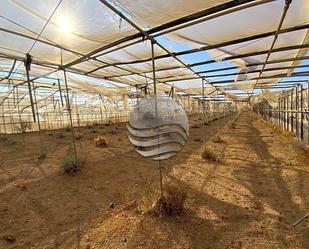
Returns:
point(158, 127)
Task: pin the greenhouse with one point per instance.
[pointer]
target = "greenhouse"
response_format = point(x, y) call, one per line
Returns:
point(154, 124)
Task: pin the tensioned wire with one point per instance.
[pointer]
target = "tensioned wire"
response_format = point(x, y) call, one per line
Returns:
point(184, 69)
point(39, 35)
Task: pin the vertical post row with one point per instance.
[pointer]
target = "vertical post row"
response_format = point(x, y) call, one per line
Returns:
point(203, 110)
point(291, 111)
point(27, 63)
point(284, 112)
point(38, 118)
point(9, 109)
point(279, 113)
point(70, 114)
point(308, 111)
point(301, 114)
point(156, 108)
point(297, 109)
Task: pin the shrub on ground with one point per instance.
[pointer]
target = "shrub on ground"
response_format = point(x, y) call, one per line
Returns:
point(217, 139)
point(78, 135)
point(171, 203)
point(6, 140)
point(3, 138)
point(71, 164)
point(209, 155)
point(100, 141)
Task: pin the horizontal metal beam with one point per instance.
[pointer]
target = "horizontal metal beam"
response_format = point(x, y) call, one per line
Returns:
point(35, 61)
point(262, 52)
point(205, 48)
point(46, 42)
point(223, 68)
point(200, 14)
point(191, 23)
point(55, 45)
point(256, 71)
point(256, 64)
point(302, 74)
point(192, 17)
point(10, 72)
point(298, 74)
point(275, 86)
point(153, 41)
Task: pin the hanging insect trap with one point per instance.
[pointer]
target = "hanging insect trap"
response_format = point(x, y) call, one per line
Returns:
point(158, 127)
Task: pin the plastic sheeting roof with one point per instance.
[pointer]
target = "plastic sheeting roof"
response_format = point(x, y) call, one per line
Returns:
point(90, 38)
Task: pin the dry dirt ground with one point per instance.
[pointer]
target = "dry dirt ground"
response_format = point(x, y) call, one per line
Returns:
point(249, 199)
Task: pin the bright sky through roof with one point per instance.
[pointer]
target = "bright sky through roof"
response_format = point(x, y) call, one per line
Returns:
point(65, 24)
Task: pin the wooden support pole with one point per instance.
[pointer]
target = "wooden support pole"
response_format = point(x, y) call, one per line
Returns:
point(279, 114)
point(308, 112)
point(38, 119)
point(60, 91)
point(3, 118)
point(156, 110)
point(291, 109)
point(11, 119)
point(297, 109)
point(76, 108)
point(203, 111)
point(18, 109)
point(27, 63)
point(60, 115)
point(284, 111)
point(301, 113)
point(70, 113)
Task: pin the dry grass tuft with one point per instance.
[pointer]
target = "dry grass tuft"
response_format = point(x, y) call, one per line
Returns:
point(6, 140)
point(72, 164)
point(197, 139)
point(217, 139)
point(3, 138)
point(41, 156)
point(195, 126)
point(301, 150)
point(232, 125)
point(100, 141)
point(171, 203)
point(78, 135)
point(60, 135)
point(279, 131)
point(209, 155)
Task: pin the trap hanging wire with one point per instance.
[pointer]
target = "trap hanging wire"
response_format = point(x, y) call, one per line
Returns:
point(158, 135)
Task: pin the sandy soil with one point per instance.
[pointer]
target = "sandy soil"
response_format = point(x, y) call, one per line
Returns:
point(250, 199)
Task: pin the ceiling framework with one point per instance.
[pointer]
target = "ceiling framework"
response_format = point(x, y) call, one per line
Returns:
point(285, 10)
point(108, 51)
point(205, 48)
point(142, 34)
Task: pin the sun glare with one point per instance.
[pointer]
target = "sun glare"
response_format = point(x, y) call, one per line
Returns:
point(65, 25)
